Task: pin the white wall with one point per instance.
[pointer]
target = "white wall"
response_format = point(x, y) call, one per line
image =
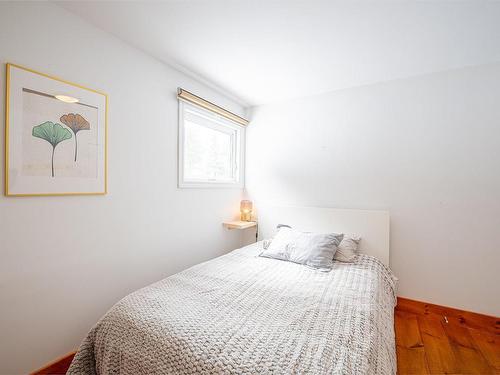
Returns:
point(65, 260)
point(426, 148)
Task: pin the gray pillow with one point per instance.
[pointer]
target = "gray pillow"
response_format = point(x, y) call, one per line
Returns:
point(348, 250)
point(311, 249)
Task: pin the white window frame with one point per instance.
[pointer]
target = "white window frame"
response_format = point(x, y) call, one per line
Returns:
point(239, 148)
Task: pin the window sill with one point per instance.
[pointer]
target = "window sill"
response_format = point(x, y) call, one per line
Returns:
point(209, 185)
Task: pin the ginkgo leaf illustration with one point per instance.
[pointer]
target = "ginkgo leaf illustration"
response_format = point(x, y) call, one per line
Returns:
point(52, 133)
point(75, 122)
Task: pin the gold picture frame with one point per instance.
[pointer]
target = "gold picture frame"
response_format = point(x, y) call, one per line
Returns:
point(75, 175)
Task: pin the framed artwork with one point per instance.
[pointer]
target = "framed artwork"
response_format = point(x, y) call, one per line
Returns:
point(55, 136)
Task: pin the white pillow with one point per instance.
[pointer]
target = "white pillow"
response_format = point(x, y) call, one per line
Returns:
point(311, 249)
point(348, 249)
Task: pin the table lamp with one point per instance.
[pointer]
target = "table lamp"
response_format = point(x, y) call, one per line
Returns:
point(246, 210)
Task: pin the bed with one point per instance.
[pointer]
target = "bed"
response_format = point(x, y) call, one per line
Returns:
point(245, 314)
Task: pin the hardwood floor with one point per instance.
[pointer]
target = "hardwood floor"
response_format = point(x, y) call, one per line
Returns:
point(57, 367)
point(430, 339)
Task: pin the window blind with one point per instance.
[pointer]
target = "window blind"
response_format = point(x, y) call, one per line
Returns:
point(196, 100)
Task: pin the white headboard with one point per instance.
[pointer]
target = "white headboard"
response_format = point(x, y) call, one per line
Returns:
point(371, 226)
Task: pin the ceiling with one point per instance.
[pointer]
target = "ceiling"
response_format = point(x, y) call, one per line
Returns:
point(264, 51)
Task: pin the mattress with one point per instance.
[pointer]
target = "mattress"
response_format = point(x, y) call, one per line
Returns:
point(245, 314)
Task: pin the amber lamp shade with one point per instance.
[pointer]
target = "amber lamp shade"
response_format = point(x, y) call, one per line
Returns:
point(246, 210)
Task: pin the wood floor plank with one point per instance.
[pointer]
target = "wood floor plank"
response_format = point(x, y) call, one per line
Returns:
point(468, 356)
point(58, 367)
point(489, 345)
point(439, 353)
point(457, 316)
point(409, 345)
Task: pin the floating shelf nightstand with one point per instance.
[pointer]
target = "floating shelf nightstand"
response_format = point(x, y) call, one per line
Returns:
point(239, 224)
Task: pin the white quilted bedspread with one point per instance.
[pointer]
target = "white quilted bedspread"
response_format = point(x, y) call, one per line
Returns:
point(243, 314)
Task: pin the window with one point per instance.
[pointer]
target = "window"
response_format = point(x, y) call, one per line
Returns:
point(210, 149)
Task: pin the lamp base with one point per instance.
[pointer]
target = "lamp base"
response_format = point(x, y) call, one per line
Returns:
point(246, 216)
